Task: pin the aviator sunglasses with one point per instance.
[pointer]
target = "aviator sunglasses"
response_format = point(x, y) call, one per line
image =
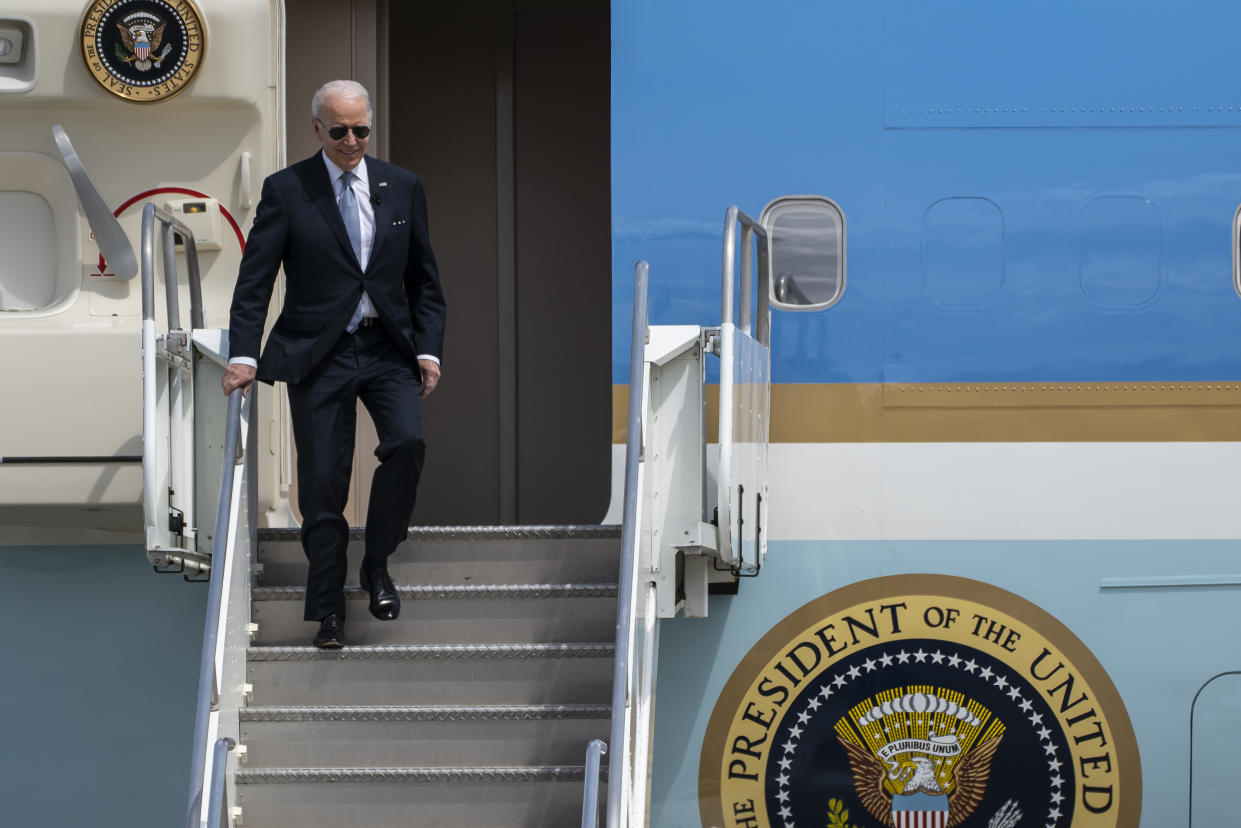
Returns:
point(337, 132)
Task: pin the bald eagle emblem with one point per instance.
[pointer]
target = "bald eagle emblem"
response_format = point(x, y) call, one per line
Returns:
point(920, 758)
point(142, 33)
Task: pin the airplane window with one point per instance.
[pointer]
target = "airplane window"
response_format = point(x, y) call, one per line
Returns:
point(807, 238)
point(963, 251)
point(1236, 250)
point(1120, 251)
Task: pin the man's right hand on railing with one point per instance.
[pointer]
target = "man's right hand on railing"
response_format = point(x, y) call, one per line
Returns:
point(238, 375)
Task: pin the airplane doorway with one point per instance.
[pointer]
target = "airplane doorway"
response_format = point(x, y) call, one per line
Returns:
point(503, 108)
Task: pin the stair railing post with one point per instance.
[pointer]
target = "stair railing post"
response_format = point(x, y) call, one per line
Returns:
point(150, 454)
point(618, 766)
point(207, 677)
point(590, 796)
point(736, 340)
point(169, 260)
point(215, 801)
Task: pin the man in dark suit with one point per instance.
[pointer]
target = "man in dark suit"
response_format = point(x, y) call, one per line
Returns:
point(363, 318)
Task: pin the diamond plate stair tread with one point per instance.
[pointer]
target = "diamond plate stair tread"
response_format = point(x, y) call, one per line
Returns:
point(427, 804)
point(376, 679)
point(555, 618)
point(426, 533)
point(389, 742)
point(521, 774)
point(419, 652)
point(464, 562)
point(422, 713)
point(454, 591)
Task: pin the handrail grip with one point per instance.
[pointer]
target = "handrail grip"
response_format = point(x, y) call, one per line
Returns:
point(761, 331)
point(147, 280)
point(590, 798)
point(207, 690)
point(149, 213)
point(219, 757)
point(171, 299)
point(148, 262)
point(629, 544)
point(195, 279)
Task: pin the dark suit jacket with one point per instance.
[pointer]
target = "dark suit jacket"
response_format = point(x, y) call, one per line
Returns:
point(297, 223)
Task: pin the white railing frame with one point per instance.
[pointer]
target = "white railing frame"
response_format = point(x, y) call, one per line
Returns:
point(756, 326)
point(168, 397)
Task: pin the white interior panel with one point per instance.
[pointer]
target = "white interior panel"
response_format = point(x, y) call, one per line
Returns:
point(28, 257)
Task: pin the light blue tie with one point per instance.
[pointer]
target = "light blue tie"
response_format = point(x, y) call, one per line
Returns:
point(348, 205)
point(349, 212)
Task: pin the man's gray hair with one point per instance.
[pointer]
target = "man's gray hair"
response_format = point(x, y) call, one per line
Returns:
point(347, 89)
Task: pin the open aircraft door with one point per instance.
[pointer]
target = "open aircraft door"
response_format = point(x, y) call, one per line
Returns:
point(164, 102)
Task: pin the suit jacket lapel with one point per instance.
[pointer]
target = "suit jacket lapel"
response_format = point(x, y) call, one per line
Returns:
point(319, 188)
point(381, 202)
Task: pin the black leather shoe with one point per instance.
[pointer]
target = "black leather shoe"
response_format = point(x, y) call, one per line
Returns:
point(331, 633)
point(385, 603)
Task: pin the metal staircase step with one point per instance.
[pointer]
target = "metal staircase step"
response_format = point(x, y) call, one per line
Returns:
point(452, 614)
point(425, 713)
point(520, 775)
point(456, 736)
point(466, 555)
point(497, 797)
point(484, 534)
point(430, 674)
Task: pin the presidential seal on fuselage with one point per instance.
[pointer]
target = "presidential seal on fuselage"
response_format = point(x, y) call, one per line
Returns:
point(142, 50)
point(919, 701)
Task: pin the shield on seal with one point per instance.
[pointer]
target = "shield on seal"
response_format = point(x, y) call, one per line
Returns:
point(142, 50)
point(920, 810)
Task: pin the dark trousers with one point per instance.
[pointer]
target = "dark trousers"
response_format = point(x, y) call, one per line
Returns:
point(368, 366)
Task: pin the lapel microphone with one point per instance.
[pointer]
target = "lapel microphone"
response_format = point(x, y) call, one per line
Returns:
point(377, 199)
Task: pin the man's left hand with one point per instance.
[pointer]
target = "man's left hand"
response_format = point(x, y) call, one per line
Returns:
point(430, 375)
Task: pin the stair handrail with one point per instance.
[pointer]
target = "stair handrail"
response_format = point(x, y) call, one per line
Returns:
point(757, 324)
point(590, 796)
point(215, 797)
point(208, 678)
point(170, 229)
point(624, 675)
point(750, 326)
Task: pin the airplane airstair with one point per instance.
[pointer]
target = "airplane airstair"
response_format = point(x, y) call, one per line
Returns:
point(472, 708)
point(524, 658)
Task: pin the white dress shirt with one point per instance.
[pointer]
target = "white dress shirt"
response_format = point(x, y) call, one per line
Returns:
point(366, 220)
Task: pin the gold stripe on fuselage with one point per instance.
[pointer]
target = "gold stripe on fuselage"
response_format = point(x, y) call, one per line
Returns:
point(982, 412)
